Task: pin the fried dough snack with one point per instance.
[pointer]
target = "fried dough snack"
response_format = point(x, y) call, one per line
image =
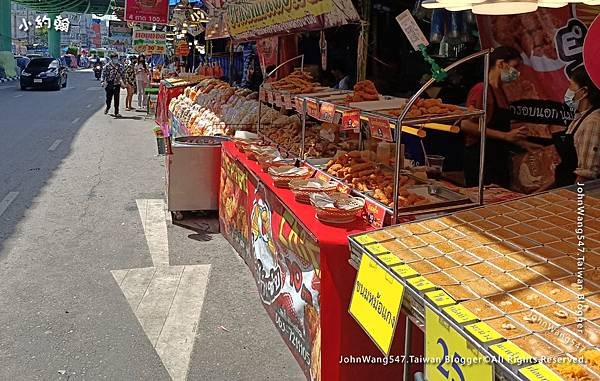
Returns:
point(296, 83)
point(289, 136)
point(363, 91)
point(362, 174)
point(427, 107)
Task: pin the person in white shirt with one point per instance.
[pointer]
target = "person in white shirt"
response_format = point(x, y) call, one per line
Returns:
point(142, 77)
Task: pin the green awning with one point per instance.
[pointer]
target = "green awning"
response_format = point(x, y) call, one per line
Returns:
point(99, 7)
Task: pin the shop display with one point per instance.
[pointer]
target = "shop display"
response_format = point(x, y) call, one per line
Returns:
point(363, 91)
point(506, 280)
point(427, 108)
point(336, 208)
point(287, 133)
point(298, 82)
point(357, 169)
point(212, 107)
point(284, 174)
point(303, 188)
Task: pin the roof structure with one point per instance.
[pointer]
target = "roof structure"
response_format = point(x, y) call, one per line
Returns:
point(99, 7)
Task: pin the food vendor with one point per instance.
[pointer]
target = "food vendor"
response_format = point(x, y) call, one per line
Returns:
point(500, 138)
point(342, 78)
point(578, 146)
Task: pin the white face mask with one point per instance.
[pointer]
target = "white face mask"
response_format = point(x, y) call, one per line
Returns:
point(570, 99)
point(509, 75)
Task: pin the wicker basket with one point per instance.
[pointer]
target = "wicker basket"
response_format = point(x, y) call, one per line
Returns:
point(335, 215)
point(255, 152)
point(282, 177)
point(265, 164)
point(302, 188)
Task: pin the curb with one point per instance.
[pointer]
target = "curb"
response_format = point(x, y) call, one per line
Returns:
point(2, 80)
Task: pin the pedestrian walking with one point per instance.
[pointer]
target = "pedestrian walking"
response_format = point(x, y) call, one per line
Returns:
point(130, 79)
point(142, 76)
point(112, 80)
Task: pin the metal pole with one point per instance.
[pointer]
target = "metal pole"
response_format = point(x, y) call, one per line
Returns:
point(398, 160)
point(53, 39)
point(482, 126)
point(303, 128)
point(5, 32)
point(407, 349)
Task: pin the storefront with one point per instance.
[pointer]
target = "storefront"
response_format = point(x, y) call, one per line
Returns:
point(369, 253)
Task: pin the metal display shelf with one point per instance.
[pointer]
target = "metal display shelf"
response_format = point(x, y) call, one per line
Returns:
point(401, 124)
point(415, 303)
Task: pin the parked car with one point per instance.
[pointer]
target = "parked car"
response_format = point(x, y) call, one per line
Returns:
point(44, 72)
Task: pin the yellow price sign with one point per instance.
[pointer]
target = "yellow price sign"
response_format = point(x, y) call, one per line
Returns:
point(376, 301)
point(421, 283)
point(389, 259)
point(539, 372)
point(450, 356)
point(483, 332)
point(440, 298)
point(362, 239)
point(404, 271)
point(376, 248)
point(460, 314)
point(511, 353)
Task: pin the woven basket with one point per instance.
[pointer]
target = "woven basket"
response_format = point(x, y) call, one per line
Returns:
point(282, 180)
point(335, 215)
point(302, 192)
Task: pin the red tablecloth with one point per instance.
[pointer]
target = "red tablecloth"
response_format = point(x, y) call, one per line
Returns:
point(341, 336)
point(165, 94)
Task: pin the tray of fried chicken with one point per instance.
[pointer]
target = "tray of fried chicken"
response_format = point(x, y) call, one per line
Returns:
point(359, 170)
point(298, 82)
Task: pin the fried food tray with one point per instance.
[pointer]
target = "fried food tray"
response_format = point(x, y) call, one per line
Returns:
point(560, 278)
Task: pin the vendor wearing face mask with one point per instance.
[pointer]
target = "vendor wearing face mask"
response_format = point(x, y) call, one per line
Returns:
point(579, 145)
point(500, 138)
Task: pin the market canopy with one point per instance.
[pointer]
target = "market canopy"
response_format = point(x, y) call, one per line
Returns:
point(252, 19)
point(99, 7)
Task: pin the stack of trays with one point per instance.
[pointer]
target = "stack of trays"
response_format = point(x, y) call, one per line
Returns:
point(516, 266)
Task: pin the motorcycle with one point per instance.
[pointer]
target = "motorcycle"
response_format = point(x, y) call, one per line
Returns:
point(97, 71)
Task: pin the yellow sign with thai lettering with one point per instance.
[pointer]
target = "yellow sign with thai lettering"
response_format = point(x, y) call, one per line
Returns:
point(376, 302)
point(449, 354)
point(260, 15)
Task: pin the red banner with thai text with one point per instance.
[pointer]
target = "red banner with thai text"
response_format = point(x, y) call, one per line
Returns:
point(551, 45)
point(147, 11)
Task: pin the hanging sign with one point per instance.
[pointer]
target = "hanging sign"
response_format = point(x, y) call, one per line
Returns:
point(147, 11)
point(327, 112)
point(374, 213)
point(278, 100)
point(270, 97)
point(298, 104)
point(457, 359)
point(380, 129)
point(287, 101)
point(261, 18)
point(149, 42)
point(376, 301)
point(351, 120)
point(411, 29)
point(312, 108)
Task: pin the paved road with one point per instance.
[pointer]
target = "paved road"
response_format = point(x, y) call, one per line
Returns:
point(68, 216)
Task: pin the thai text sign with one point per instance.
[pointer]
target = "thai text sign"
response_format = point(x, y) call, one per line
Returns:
point(149, 42)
